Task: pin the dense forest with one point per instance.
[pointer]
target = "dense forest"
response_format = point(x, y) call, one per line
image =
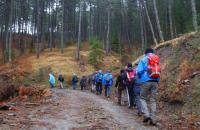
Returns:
point(56, 56)
point(35, 25)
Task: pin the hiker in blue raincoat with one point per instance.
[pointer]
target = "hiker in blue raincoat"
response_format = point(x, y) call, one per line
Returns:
point(52, 80)
point(74, 81)
point(108, 82)
point(148, 86)
point(99, 80)
point(137, 92)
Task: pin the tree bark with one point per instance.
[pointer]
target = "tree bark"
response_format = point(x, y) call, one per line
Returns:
point(141, 27)
point(194, 15)
point(149, 21)
point(38, 29)
point(62, 29)
point(50, 26)
point(10, 34)
point(170, 19)
point(158, 21)
point(108, 30)
point(79, 32)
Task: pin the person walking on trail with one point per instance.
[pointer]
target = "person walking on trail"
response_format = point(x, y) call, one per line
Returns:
point(52, 80)
point(99, 80)
point(137, 92)
point(130, 71)
point(83, 83)
point(108, 82)
point(93, 80)
point(148, 71)
point(61, 80)
point(121, 84)
point(74, 81)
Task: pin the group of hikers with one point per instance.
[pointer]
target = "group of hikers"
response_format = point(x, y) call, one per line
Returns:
point(52, 81)
point(138, 81)
point(141, 82)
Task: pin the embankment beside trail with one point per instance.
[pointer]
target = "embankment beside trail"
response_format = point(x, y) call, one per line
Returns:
point(178, 92)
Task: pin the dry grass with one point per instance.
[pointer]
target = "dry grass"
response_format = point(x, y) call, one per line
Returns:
point(61, 63)
point(67, 65)
point(185, 70)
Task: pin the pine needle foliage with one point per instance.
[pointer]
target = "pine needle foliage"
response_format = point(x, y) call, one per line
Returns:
point(96, 52)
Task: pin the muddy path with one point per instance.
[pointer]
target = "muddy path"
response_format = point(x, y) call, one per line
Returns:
point(75, 110)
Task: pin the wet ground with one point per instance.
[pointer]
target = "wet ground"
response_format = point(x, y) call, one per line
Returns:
point(71, 110)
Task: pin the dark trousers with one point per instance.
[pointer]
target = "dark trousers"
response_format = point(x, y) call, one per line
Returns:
point(52, 85)
point(120, 89)
point(83, 87)
point(131, 96)
point(106, 90)
point(137, 91)
point(99, 88)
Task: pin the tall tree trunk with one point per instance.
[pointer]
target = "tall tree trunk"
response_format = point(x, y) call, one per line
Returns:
point(91, 22)
point(170, 19)
point(62, 29)
point(38, 29)
point(141, 27)
point(108, 30)
point(50, 26)
point(10, 34)
point(149, 21)
point(7, 27)
point(158, 21)
point(194, 15)
point(79, 32)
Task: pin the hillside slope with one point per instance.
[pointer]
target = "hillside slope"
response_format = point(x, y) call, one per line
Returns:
point(179, 89)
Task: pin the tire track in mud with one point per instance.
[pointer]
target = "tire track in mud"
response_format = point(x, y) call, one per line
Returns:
point(75, 110)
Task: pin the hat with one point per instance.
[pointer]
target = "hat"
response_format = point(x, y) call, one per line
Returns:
point(122, 71)
point(148, 50)
point(129, 65)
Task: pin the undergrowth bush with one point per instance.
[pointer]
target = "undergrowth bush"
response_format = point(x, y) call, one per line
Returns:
point(96, 52)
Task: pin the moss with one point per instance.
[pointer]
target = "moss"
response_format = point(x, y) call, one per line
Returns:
point(196, 93)
point(196, 58)
point(195, 43)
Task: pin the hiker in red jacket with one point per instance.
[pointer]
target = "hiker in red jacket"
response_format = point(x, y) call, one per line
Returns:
point(130, 71)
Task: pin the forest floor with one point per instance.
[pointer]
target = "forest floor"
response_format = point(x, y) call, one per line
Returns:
point(73, 110)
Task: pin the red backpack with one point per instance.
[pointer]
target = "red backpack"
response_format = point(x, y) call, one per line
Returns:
point(130, 77)
point(154, 68)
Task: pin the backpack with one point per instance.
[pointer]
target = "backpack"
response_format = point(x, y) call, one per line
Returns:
point(123, 79)
point(83, 81)
point(99, 77)
point(107, 79)
point(130, 77)
point(60, 78)
point(75, 79)
point(154, 68)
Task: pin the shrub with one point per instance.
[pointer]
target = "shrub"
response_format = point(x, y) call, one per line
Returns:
point(115, 44)
point(96, 52)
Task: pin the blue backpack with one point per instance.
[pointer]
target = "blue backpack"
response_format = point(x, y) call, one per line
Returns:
point(99, 77)
point(108, 79)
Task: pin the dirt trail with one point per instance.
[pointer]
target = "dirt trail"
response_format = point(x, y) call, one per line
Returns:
point(75, 110)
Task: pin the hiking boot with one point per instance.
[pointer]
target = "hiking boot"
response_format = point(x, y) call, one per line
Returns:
point(146, 119)
point(152, 122)
point(130, 107)
point(140, 114)
point(119, 103)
